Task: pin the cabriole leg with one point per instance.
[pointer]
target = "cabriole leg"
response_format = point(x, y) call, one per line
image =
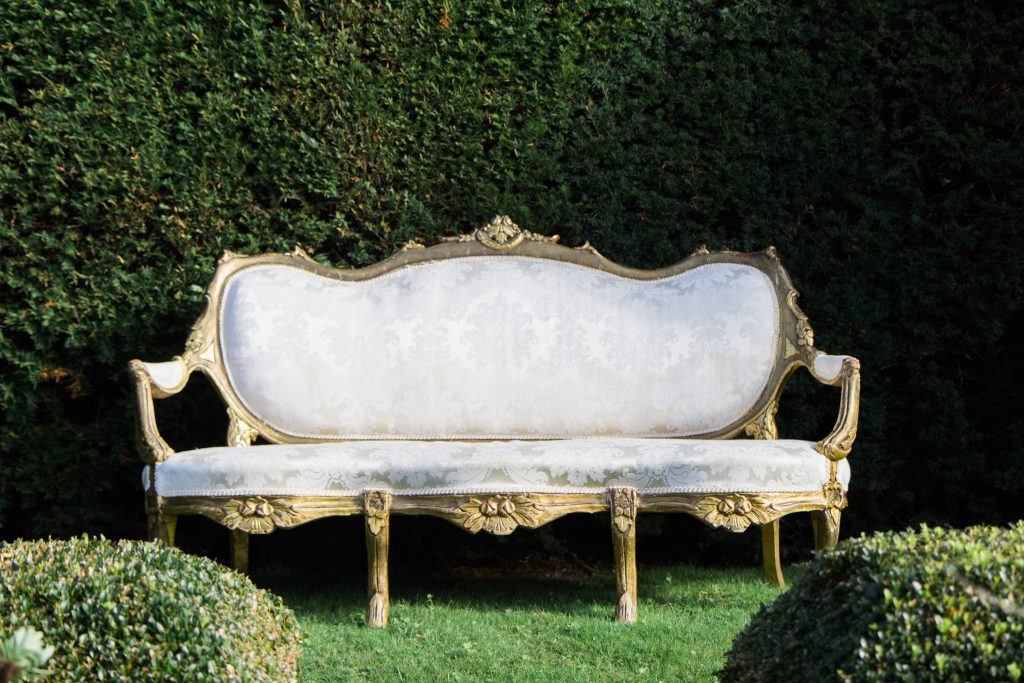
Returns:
point(377, 514)
point(826, 527)
point(240, 551)
point(623, 510)
point(770, 554)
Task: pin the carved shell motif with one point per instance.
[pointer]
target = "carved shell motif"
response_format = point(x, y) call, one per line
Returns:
point(258, 515)
point(500, 514)
point(735, 511)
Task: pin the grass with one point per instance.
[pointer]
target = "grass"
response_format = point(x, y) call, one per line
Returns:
point(511, 628)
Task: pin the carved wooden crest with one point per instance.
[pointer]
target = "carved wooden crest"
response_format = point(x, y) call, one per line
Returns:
point(502, 234)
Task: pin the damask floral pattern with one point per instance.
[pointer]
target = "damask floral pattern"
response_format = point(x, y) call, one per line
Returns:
point(577, 465)
point(499, 347)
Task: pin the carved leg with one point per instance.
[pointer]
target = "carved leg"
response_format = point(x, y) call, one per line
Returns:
point(377, 511)
point(240, 551)
point(162, 527)
point(770, 554)
point(826, 527)
point(623, 510)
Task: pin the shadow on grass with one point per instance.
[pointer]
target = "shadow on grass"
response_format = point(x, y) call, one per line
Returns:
point(324, 595)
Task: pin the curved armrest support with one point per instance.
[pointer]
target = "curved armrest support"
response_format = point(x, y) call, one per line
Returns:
point(154, 380)
point(842, 371)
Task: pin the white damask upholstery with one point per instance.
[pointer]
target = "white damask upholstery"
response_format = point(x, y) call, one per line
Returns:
point(498, 348)
point(428, 467)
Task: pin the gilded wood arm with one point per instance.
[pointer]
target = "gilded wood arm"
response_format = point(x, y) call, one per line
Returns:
point(154, 380)
point(844, 372)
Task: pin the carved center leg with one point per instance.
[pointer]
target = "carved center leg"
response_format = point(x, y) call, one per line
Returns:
point(240, 551)
point(377, 510)
point(770, 554)
point(623, 510)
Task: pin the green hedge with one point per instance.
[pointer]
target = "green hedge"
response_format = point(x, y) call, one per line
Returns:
point(876, 143)
point(933, 605)
point(135, 611)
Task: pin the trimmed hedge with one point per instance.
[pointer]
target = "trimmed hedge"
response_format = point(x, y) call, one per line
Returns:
point(876, 143)
point(144, 612)
point(934, 605)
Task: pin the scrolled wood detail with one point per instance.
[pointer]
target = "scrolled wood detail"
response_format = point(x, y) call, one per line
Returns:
point(763, 425)
point(241, 433)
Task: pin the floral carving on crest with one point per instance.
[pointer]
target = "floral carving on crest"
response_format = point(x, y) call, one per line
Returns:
point(502, 234)
point(500, 514)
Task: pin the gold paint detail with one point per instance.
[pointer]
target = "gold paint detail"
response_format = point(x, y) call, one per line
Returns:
point(790, 349)
point(838, 444)
point(734, 511)
point(258, 515)
point(377, 516)
point(770, 557)
point(241, 434)
point(240, 551)
point(772, 253)
point(763, 426)
point(835, 502)
point(623, 508)
point(588, 247)
point(623, 503)
point(500, 514)
point(377, 508)
point(150, 445)
point(702, 250)
point(804, 333)
point(501, 234)
point(412, 244)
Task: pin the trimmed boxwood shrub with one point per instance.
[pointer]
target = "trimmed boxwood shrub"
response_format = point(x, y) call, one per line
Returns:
point(144, 612)
point(933, 605)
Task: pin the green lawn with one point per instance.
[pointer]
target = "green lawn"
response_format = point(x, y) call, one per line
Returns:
point(511, 628)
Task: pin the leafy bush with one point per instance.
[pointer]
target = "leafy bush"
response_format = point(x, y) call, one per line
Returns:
point(876, 143)
point(23, 656)
point(144, 612)
point(935, 605)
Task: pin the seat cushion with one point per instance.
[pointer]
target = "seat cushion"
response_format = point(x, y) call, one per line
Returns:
point(565, 466)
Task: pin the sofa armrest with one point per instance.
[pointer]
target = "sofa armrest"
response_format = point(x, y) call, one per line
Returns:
point(844, 372)
point(154, 380)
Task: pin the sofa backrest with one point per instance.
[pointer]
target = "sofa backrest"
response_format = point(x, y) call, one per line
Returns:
point(484, 341)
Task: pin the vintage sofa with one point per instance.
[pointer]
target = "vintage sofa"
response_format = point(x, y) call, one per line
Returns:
point(499, 380)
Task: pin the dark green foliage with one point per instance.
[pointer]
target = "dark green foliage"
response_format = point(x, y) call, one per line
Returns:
point(144, 612)
point(934, 605)
point(876, 143)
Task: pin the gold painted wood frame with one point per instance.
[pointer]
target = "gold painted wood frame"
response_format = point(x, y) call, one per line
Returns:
point(500, 513)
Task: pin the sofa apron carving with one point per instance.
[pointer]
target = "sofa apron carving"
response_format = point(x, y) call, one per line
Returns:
point(499, 380)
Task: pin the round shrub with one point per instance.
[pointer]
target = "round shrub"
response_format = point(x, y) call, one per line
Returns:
point(144, 612)
point(932, 605)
